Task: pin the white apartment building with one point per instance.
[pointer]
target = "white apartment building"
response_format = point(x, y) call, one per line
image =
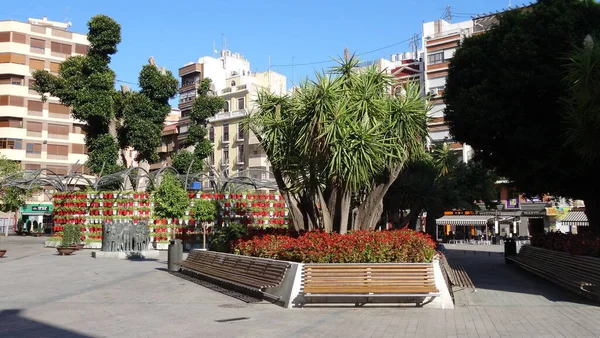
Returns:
point(440, 39)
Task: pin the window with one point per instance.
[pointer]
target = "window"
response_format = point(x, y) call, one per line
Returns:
point(60, 48)
point(185, 113)
point(54, 67)
point(211, 158)
point(241, 103)
point(37, 44)
point(79, 149)
point(34, 148)
point(241, 154)
point(10, 122)
point(78, 129)
point(4, 36)
point(211, 134)
point(12, 58)
point(58, 129)
point(81, 49)
point(225, 158)
point(34, 126)
point(11, 143)
point(11, 79)
point(233, 83)
point(226, 109)
point(226, 132)
point(436, 58)
point(240, 131)
point(37, 64)
point(57, 149)
point(57, 110)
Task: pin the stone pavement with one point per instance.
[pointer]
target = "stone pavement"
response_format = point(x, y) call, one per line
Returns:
point(45, 295)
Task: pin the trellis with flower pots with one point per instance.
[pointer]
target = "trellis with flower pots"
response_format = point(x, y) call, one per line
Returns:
point(90, 209)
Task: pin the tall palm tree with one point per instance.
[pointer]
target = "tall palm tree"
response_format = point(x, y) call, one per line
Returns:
point(338, 136)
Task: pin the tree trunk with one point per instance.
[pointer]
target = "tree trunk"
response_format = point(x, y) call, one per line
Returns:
point(342, 211)
point(431, 225)
point(370, 210)
point(112, 130)
point(592, 211)
point(327, 216)
point(301, 208)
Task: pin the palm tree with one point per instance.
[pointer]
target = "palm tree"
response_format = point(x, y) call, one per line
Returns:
point(340, 136)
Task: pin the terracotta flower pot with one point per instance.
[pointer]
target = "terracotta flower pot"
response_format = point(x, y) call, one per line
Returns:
point(65, 251)
point(2, 252)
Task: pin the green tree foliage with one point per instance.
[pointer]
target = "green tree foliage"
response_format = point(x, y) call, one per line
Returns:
point(113, 120)
point(503, 92)
point(170, 199)
point(183, 159)
point(340, 136)
point(11, 198)
point(206, 105)
point(425, 185)
point(204, 210)
point(583, 100)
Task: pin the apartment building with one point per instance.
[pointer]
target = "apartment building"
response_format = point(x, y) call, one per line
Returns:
point(235, 151)
point(440, 39)
point(39, 135)
point(35, 133)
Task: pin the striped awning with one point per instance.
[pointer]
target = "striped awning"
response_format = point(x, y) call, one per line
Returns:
point(575, 218)
point(463, 220)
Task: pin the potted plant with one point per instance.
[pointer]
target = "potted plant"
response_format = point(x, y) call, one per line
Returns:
point(70, 238)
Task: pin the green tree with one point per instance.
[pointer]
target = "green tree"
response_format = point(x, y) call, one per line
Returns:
point(113, 120)
point(338, 137)
point(182, 160)
point(205, 105)
point(11, 197)
point(502, 95)
point(582, 104)
point(205, 212)
point(170, 199)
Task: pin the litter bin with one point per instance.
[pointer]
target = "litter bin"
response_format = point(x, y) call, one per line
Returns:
point(510, 248)
point(175, 255)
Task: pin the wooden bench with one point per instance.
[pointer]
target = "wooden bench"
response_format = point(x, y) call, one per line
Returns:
point(457, 275)
point(367, 281)
point(249, 273)
point(579, 274)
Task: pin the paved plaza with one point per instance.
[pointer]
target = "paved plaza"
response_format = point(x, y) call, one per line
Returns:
point(44, 295)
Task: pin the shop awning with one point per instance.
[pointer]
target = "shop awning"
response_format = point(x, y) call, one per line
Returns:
point(575, 218)
point(463, 220)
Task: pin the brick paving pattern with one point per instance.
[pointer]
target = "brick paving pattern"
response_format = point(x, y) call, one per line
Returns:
point(44, 295)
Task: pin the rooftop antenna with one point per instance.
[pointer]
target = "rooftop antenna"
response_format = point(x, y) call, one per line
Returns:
point(447, 15)
point(414, 45)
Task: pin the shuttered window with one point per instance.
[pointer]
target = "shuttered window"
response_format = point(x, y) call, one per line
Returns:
point(19, 38)
point(37, 44)
point(57, 149)
point(77, 148)
point(37, 64)
point(61, 48)
point(12, 58)
point(54, 67)
point(58, 129)
point(35, 105)
point(34, 126)
point(34, 148)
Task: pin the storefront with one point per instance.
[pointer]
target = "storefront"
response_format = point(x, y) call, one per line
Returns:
point(36, 217)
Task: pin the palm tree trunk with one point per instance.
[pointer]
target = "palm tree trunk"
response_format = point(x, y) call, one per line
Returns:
point(325, 208)
point(370, 210)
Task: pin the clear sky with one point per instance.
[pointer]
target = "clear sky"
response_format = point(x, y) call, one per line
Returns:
point(298, 32)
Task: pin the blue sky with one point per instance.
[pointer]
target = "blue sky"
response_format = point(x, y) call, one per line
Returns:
point(299, 32)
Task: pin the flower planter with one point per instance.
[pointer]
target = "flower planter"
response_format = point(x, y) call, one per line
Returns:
point(65, 251)
point(2, 252)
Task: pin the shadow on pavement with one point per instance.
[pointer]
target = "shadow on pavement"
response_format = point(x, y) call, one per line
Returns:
point(489, 272)
point(12, 324)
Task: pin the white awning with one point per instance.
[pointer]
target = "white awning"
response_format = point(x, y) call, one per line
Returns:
point(463, 220)
point(575, 218)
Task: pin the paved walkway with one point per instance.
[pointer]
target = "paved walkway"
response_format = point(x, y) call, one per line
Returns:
point(45, 295)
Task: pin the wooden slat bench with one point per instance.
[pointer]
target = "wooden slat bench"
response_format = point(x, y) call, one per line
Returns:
point(367, 281)
point(579, 274)
point(249, 273)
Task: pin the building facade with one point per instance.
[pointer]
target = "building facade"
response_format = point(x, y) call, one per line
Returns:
point(38, 134)
point(235, 150)
point(440, 41)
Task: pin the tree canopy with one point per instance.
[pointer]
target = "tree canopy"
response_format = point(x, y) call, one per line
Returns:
point(340, 138)
point(113, 120)
point(11, 198)
point(503, 96)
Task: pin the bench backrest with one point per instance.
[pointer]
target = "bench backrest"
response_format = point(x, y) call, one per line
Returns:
point(396, 274)
point(265, 269)
point(581, 266)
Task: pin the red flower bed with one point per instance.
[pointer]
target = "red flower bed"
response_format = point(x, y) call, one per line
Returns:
point(399, 246)
point(580, 244)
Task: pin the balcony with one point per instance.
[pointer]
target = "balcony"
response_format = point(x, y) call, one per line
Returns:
point(226, 90)
point(257, 160)
point(228, 115)
point(193, 68)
